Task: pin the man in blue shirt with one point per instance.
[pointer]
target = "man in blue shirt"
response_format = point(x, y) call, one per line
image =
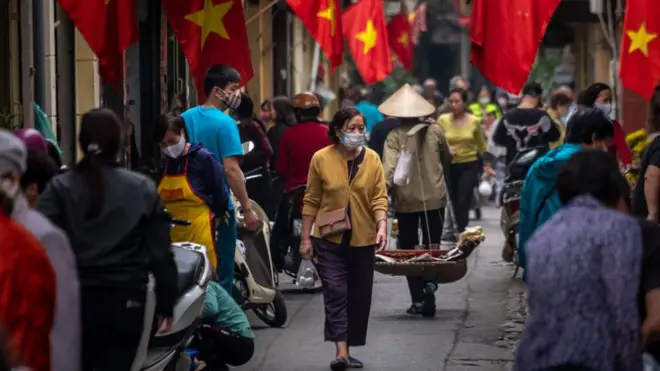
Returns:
point(368, 109)
point(216, 131)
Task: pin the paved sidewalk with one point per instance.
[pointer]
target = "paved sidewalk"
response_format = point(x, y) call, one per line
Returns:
point(476, 327)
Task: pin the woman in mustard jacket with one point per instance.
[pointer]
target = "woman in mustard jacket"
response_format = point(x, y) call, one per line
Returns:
point(346, 182)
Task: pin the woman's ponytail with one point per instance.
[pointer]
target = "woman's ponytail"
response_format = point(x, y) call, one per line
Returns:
point(100, 138)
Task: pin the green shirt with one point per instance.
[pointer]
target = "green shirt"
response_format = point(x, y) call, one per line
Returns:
point(220, 307)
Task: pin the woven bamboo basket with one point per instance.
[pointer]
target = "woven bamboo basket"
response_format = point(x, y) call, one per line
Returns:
point(443, 272)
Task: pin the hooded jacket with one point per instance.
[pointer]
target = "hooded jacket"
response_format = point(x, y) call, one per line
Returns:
point(539, 200)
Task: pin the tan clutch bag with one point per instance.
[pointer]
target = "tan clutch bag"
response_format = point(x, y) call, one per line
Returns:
point(333, 222)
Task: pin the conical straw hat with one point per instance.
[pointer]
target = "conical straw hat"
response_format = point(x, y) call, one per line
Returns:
point(406, 103)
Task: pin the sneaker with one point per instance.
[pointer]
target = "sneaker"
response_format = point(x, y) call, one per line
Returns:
point(415, 308)
point(428, 306)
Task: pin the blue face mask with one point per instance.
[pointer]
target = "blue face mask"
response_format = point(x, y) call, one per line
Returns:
point(564, 119)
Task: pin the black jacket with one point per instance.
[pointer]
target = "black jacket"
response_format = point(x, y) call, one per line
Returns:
point(128, 240)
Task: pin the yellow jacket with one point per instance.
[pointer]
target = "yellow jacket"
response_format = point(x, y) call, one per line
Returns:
point(327, 190)
point(491, 108)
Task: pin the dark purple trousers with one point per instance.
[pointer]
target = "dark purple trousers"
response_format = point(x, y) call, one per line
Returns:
point(347, 274)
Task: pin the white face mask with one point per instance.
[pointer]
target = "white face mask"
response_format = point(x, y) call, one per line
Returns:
point(176, 150)
point(484, 101)
point(605, 107)
point(9, 188)
point(353, 141)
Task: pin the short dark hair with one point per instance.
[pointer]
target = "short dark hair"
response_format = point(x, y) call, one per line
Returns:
point(340, 119)
point(589, 95)
point(220, 75)
point(594, 173)
point(586, 124)
point(533, 89)
point(559, 98)
point(246, 108)
point(462, 92)
point(40, 170)
point(169, 121)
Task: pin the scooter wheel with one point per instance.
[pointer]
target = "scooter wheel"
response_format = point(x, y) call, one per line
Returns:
point(273, 314)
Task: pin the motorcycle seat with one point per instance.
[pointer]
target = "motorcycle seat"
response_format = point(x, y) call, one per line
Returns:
point(189, 266)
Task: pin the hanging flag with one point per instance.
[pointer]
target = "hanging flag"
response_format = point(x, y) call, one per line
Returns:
point(364, 28)
point(639, 67)
point(417, 21)
point(109, 27)
point(322, 20)
point(398, 31)
point(211, 32)
point(506, 36)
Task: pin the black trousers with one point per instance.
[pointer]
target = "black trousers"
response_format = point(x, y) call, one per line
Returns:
point(463, 178)
point(219, 347)
point(112, 324)
point(409, 238)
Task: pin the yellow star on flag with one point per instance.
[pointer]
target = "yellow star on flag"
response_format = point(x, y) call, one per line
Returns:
point(411, 17)
point(403, 39)
point(210, 19)
point(329, 14)
point(107, 2)
point(640, 39)
point(369, 37)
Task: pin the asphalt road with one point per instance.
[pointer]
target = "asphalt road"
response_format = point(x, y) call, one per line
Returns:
point(476, 327)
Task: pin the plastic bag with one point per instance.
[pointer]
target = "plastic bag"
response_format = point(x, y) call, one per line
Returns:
point(485, 189)
point(307, 276)
point(402, 170)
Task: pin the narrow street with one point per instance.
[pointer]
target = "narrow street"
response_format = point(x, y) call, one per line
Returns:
point(478, 322)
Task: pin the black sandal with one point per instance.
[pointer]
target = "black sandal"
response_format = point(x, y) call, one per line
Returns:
point(354, 363)
point(339, 364)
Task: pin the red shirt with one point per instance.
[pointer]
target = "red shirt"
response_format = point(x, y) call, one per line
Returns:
point(27, 295)
point(297, 146)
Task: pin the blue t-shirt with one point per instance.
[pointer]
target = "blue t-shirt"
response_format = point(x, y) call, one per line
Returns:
point(371, 114)
point(216, 131)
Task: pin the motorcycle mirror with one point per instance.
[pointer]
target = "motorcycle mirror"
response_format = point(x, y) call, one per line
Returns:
point(247, 147)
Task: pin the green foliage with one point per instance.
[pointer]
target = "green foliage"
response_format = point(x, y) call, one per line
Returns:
point(543, 72)
point(8, 120)
point(394, 81)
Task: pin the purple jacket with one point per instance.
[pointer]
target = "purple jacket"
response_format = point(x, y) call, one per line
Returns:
point(583, 285)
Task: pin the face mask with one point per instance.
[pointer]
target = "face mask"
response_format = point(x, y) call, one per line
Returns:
point(9, 188)
point(265, 116)
point(484, 101)
point(233, 100)
point(564, 119)
point(176, 150)
point(606, 108)
point(353, 140)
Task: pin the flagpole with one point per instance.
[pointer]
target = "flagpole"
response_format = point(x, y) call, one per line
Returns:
point(315, 67)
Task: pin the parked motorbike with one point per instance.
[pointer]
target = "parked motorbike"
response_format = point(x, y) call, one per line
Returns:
point(167, 350)
point(255, 279)
point(510, 201)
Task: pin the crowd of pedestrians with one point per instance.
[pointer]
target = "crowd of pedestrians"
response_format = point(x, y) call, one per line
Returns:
point(79, 246)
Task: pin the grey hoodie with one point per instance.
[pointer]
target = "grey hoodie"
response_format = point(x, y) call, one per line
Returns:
point(66, 333)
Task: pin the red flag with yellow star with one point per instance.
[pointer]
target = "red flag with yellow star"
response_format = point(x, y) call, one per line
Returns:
point(211, 32)
point(640, 48)
point(109, 27)
point(365, 31)
point(398, 31)
point(322, 20)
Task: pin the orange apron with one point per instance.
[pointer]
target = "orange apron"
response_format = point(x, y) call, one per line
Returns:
point(183, 203)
